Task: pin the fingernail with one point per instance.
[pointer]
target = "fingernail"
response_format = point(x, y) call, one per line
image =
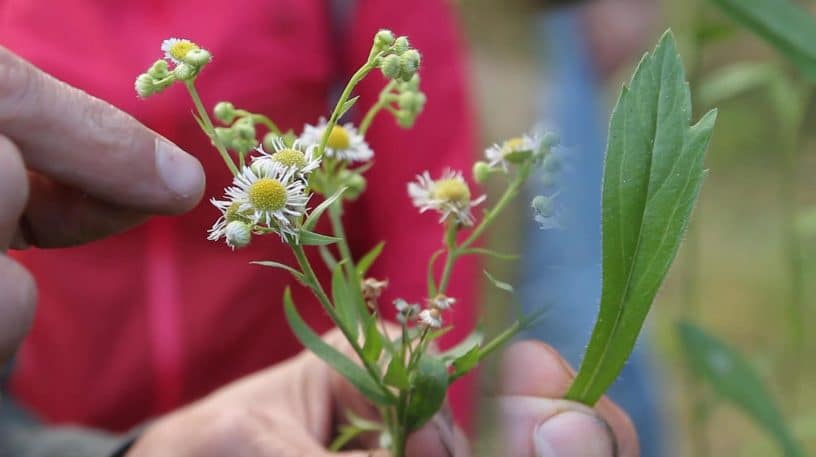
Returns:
point(573, 434)
point(181, 172)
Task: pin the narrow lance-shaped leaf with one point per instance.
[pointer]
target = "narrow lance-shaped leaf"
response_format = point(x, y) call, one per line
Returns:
point(733, 378)
point(788, 27)
point(652, 177)
point(355, 374)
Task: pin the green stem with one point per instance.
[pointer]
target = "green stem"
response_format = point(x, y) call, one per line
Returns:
point(372, 112)
point(209, 129)
point(356, 78)
point(320, 293)
point(450, 257)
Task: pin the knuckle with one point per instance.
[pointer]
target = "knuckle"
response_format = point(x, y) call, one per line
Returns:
point(14, 186)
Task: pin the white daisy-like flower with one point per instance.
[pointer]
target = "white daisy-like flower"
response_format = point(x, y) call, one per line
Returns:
point(275, 200)
point(297, 156)
point(175, 49)
point(344, 142)
point(405, 311)
point(498, 154)
point(448, 195)
point(431, 318)
point(441, 302)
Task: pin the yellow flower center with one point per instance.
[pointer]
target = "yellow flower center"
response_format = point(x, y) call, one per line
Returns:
point(267, 194)
point(339, 138)
point(452, 190)
point(180, 48)
point(513, 144)
point(290, 158)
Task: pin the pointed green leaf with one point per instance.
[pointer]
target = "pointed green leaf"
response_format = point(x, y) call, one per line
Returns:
point(475, 338)
point(468, 360)
point(396, 375)
point(373, 345)
point(733, 378)
point(652, 177)
point(735, 79)
point(347, 106)
point(308, 238)
point(327, 256)
point(367, 260)
point(501, 285)
point(314, 215)
point(355, 374)
point(344, 301)
point(489, 253)
point(784, 24)
point(430, 383)
point(273, 264)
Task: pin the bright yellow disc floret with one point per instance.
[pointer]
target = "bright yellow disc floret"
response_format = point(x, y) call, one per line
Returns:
point(451, 190)
point(267, 194)
point(513, 144)
point(290, 158)
point(180, 48)
point(339, 138)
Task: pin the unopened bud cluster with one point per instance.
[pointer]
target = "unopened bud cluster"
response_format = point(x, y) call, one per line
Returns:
point(240, 134)
point(188, 59)
point(394, 56)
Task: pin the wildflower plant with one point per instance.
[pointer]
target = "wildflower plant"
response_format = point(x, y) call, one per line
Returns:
point(653, 174)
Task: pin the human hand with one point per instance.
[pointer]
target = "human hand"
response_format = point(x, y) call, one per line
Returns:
point(73, 169)
point(293, 409)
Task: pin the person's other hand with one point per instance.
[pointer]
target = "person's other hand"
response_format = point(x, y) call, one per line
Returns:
point(293, 409)
point(73, 169)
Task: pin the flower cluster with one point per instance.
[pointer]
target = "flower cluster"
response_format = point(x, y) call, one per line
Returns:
point(269, 195)
point(188, 60)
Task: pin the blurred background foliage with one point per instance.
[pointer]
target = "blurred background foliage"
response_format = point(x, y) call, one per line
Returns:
point(735, 273)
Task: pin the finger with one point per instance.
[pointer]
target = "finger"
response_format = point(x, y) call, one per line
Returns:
point(532, 368)
point(59, 216)
point(13, 191)
point(86, 143)
point(438, 438)
point(18, 295)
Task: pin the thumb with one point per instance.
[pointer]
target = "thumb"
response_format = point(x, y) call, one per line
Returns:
point(543, 427)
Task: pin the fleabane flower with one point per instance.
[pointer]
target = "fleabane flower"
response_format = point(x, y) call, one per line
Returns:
point(299, 157)
point(344, 142)
point(430, 317)
point(405, 311)
point(176, 49)
point(229, 213)
point(512, 150)
point(275, 199)
point(449, 195)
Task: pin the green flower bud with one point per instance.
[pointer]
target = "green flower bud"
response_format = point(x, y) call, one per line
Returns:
point(224, 112)
point(197, 57)
point(144, 86)
point(401, 45)
point(238, 234)
point(184, 72)
point(225, 135)
point(383, 39)
point(542, 205)
point(481, 171)
point(409, 62)
point(355, 182)
point(405, 119)
point(245, 128)
point(391, 67)
point(159, 70)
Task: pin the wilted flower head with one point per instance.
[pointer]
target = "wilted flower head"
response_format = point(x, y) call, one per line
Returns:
point(372, 289)
point(431, 318)
point(405, 311)
point(441, 302)
point(344, 142)
point(448, 195)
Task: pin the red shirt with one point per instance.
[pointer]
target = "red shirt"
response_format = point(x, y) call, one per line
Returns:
point(143, 322)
